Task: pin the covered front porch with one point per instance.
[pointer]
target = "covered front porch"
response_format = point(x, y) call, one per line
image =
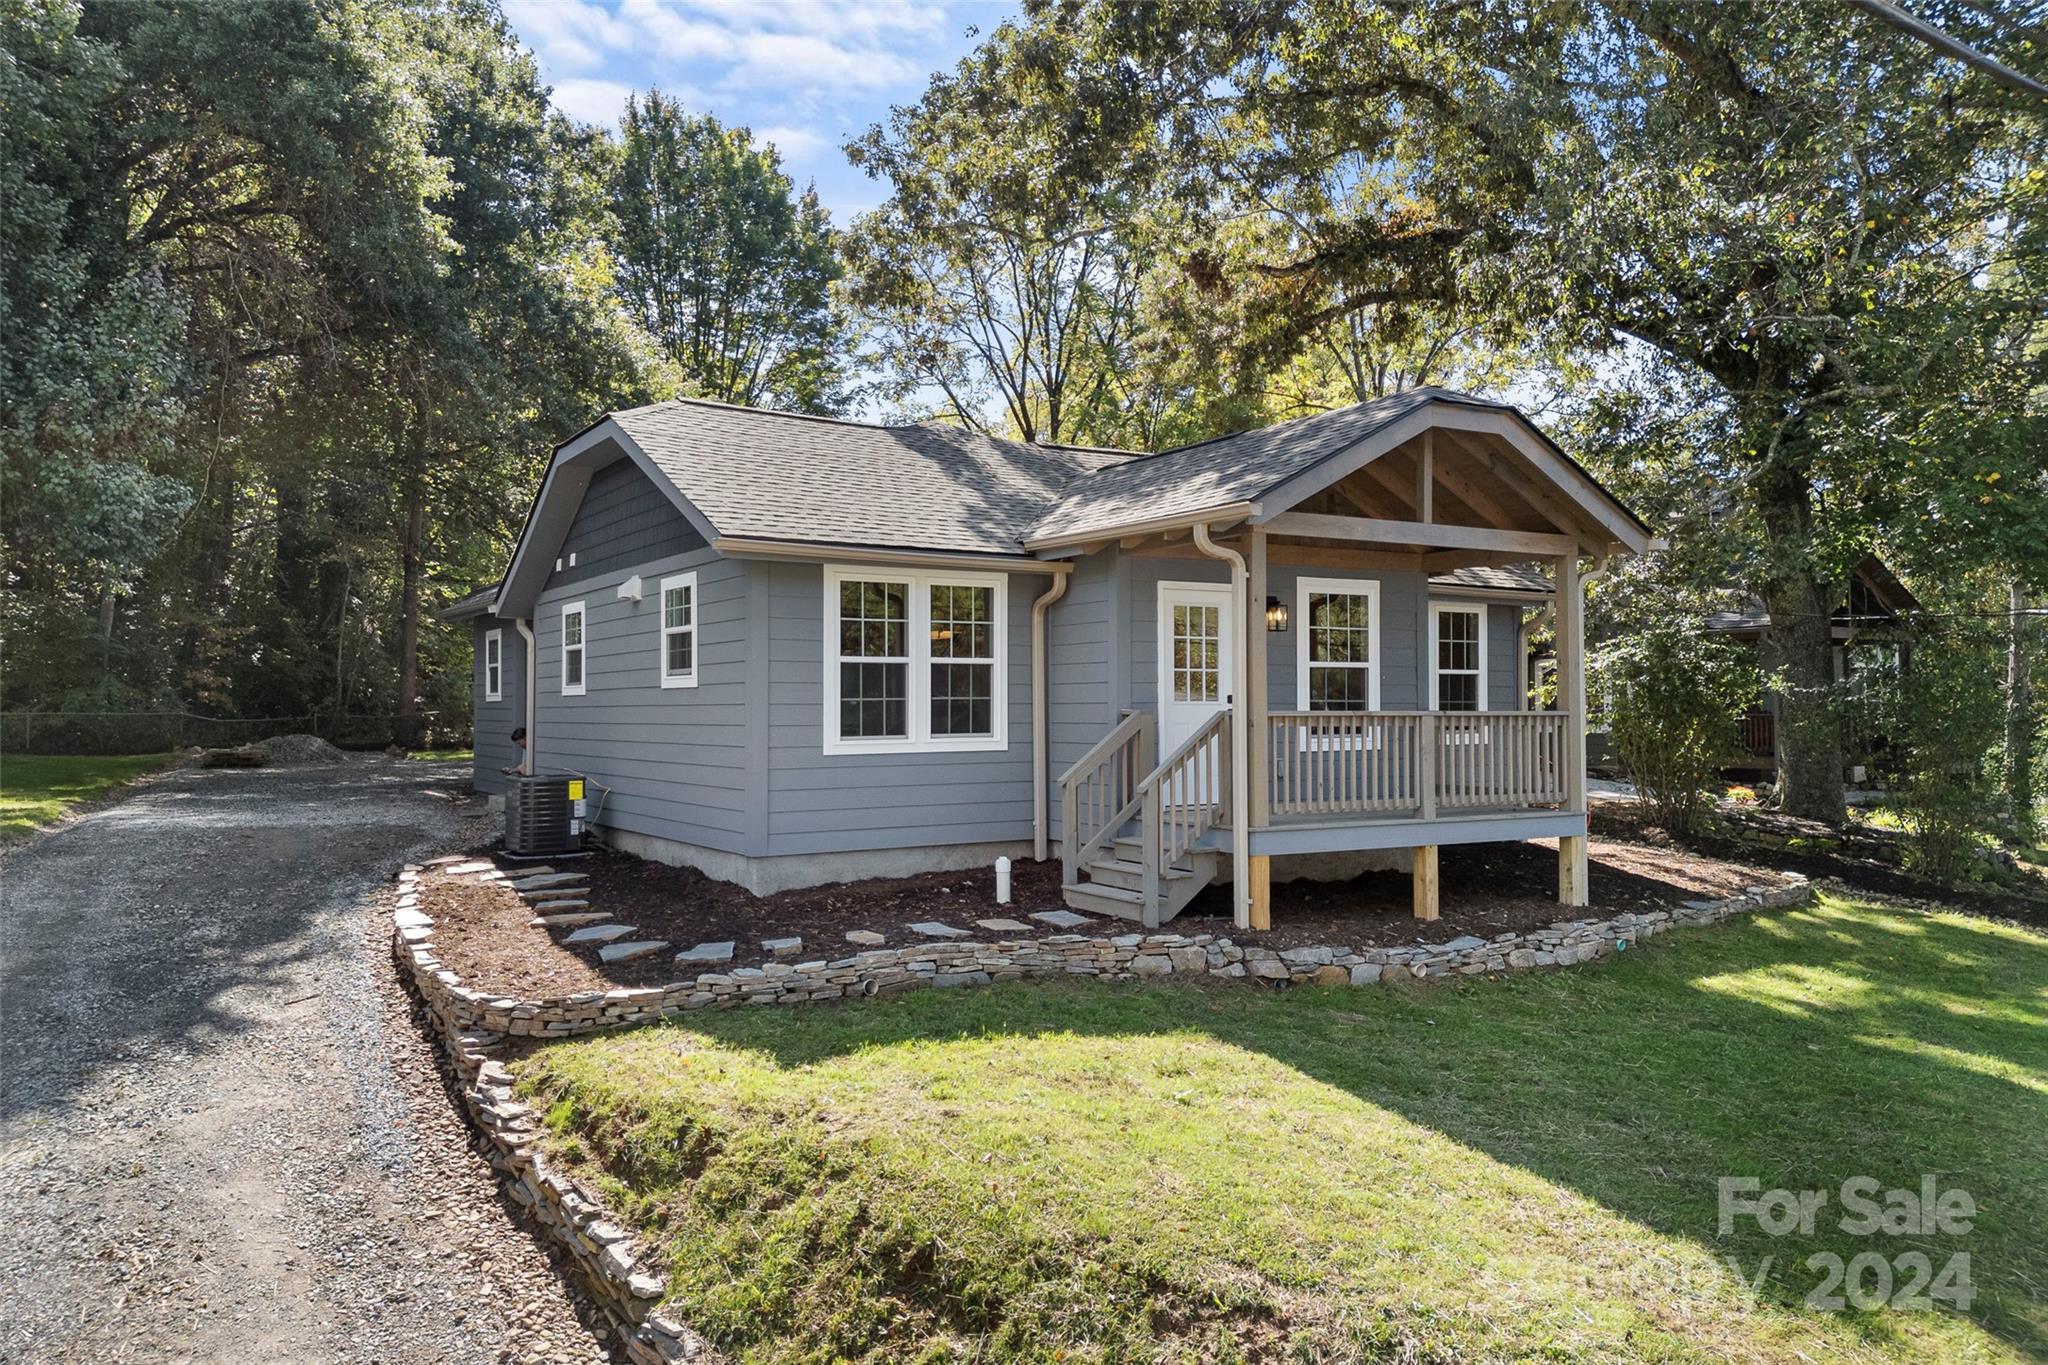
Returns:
point(1225, 767)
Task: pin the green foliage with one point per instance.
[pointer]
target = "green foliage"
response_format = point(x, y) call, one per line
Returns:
point(726, 266)
point(1672, 697)
point(1093, 1171)
point(1945, 715)
point(36, 790)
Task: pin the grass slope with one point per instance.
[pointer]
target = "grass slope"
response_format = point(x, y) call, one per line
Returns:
point(1524, 1169)
point(36, 789)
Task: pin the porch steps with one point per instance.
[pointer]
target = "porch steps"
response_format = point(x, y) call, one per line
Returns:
point(1114, 884)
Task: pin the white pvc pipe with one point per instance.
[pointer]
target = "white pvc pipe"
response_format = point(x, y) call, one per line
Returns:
point(1240, 779)
point(1002, 881)
point(526, 634)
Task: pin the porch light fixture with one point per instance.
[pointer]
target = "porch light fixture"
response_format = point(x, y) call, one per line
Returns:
point(1276, 615)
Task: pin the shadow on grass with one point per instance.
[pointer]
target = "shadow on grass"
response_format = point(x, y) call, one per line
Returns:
point(1800, 1049)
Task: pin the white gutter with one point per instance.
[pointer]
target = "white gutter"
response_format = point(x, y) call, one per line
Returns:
point(526, 634)
point(1240, 778)
point(1041, 843)
point(864, 554)
point(1225, 514)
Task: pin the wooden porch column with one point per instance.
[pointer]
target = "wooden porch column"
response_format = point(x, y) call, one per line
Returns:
point(1257, 739)
point(1425, 881)
point(1572, 868)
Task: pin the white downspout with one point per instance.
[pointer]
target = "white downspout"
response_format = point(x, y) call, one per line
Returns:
point(1041, 844)
point(1240, 762)
point(526, 635)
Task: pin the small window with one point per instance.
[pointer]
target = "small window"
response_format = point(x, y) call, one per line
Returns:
point(572, 650)
point(1458, 662)
point(679, 631)
point(913, 661)
point(494, 665)
point(1338, 660)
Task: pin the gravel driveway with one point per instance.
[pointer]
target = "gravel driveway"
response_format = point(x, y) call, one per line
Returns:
point(221, 1136)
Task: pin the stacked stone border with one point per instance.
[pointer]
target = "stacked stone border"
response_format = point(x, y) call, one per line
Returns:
point(626, 1286)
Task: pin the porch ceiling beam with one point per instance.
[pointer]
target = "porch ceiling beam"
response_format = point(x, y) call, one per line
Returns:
point(1376, 531)
point(1400, 489)
point(1482, 501)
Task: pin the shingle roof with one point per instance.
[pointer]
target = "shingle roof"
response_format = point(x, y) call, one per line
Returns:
point(1228, 469)
point(791, 477)
point(1509, 579)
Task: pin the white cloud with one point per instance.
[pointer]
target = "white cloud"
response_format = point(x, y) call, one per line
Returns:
point(591, 101)
point(567, 35)
point(806, 61)
point(795, 144)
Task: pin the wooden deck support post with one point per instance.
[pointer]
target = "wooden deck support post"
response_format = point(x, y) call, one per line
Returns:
point(1572, 870)
point(1262, 892)
point(1426, 882)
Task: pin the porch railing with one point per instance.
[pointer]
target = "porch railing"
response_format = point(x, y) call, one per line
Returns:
point(1185, 797)
point(1366, 762)
point(1099, 794)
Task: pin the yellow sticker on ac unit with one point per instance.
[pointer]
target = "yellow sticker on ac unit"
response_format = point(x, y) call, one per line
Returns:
point(575, 789)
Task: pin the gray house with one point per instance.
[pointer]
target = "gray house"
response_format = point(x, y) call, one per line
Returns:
point(790, 650)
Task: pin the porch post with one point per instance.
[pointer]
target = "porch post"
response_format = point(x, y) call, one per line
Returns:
point(1426, 881)
point(1258, 779)
point(1571, 681)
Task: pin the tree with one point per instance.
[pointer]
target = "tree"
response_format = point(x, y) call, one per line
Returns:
point(1818, 216)
point(724, 264)
point(992, 278)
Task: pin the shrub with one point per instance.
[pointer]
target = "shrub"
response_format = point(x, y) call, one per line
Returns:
point(1672, 700)
point(1945, 714)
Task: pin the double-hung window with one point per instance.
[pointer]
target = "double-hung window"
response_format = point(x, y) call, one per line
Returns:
point(679, 630)
point(494, 665)
point(572, 650)
point(913, 661)
point(1457, 675)
point(1337, 660)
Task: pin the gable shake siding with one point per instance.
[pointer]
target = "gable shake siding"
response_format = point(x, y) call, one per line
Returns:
point(623, 522)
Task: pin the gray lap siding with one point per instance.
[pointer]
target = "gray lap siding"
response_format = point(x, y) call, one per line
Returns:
point(825, 803)
point(494, 721)
point(674, 760)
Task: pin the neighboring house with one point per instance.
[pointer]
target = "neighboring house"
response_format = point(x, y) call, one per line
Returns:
point(795, 650)
point(1871, 640)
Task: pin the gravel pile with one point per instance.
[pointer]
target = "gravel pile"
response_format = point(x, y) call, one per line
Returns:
point(302, 749)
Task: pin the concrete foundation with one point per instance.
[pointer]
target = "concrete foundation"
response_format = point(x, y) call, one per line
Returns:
point(788, 872)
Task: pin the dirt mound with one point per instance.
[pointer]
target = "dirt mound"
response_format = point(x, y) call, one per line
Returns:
point(302, 749)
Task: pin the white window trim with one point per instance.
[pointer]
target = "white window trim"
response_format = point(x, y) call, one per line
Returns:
point(575, 609)
point(920, 739)
point(1368, 588)
point(494, 664)
point(1437, 610)
point(662, 630)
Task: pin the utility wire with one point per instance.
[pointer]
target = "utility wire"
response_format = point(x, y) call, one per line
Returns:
point(1899, 18)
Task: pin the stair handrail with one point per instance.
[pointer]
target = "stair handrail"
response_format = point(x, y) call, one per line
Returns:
point(1109, 772)
point(1173, 820)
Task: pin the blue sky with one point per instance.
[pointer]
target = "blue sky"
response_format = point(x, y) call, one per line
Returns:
point(802, 74)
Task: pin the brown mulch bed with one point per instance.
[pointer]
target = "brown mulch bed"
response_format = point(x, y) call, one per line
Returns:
point(482, 931)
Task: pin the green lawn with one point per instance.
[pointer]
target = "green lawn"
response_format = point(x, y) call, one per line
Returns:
point(36, 789)
point(1522, 1169)
point(441, 755)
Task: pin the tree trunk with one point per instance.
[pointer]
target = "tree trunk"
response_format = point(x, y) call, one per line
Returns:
point(2019, 721)
point(406, 728)
point(1800, 646)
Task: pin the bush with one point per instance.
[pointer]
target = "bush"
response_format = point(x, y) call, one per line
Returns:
point(1673, 700)
point(1946, 715)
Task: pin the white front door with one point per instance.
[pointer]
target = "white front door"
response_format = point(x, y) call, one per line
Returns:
point(1195, 645)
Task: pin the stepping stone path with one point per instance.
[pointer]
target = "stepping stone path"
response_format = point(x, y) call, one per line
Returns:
point(620, 952)
point(782, 945)
point(865, 938)
point(465, 869)
point(1004, 926)
point(553, 907)
point(933, 929)
point(707, 952)
point(531, 883)
point(1062, 919)
point(599, 933)
point(568, 921)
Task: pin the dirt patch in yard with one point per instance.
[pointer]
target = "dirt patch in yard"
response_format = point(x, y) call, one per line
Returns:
point(484, 933)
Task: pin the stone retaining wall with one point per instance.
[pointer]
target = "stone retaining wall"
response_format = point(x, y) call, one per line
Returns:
point(886, 971)
point(475, 1024)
